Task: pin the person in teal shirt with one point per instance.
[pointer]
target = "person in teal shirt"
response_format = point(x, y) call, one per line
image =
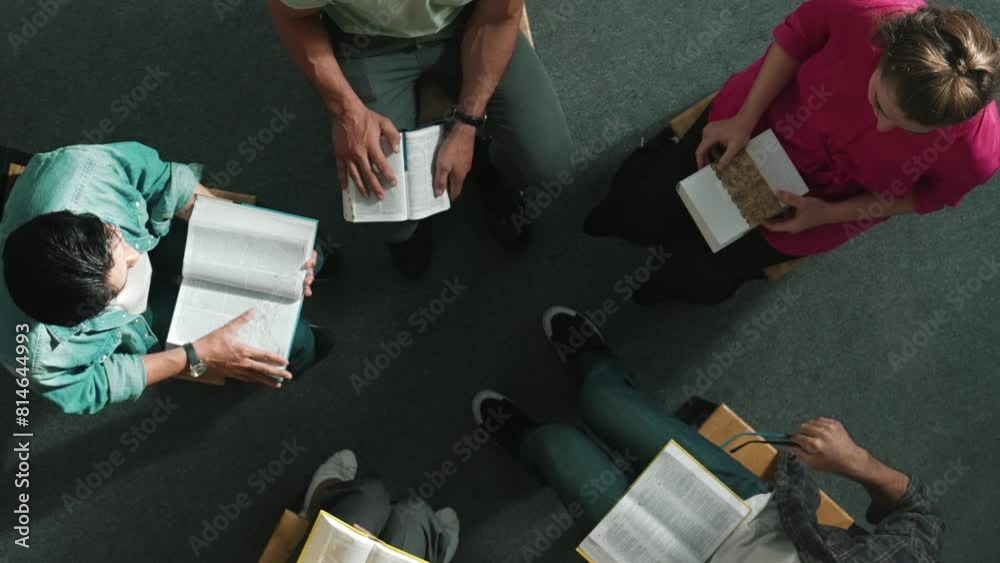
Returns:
point(81, 233)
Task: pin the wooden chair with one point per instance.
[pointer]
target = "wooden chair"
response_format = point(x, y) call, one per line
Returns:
point(680, 125)
point(761, 459)
point(436, 102)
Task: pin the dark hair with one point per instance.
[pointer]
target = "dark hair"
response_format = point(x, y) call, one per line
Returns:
point(943, 63)
point(56, 267)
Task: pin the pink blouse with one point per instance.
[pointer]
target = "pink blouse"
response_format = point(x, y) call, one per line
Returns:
point(828, 127)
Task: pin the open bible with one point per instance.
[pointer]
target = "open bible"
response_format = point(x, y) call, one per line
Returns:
point(241, 257)
point(333, 541)
point(726, 205)
point(675, 511)
point(412, 197)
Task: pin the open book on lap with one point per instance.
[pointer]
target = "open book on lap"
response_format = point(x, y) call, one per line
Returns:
point(412, 198)
point(675, 511)
point(726, 205)
point(334, 541)
point(241, 257)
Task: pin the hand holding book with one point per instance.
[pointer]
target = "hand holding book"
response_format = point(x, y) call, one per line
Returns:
point(803, 213)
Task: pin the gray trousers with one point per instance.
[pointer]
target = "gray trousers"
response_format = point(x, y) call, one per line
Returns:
point(410, 526)
point(531, 142)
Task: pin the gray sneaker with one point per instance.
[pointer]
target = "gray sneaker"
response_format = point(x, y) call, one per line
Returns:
point(448, 519)
point(341, 467)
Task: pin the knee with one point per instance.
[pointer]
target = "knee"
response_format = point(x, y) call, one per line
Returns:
point(551, 441)
point(373, 492)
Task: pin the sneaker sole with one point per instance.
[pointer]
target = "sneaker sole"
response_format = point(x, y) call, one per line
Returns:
point(477, 402)
point(551, 312)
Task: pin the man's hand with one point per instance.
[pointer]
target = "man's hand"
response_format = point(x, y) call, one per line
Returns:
point(357, 142)
point(454, 159)
point(825, 445)
point(222, 350)
point(804, 214)
point(732, 135)
point(310, 274)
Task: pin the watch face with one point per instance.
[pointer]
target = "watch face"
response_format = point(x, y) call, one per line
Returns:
point(199, 369)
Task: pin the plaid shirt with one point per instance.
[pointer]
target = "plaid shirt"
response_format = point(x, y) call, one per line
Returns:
point(908, 532)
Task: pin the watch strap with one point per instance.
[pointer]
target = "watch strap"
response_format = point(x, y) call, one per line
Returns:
point(192, 358)
point(467, 119)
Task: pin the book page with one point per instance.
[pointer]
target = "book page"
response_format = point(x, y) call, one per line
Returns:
point(749, 190)
point(712, 208)
point(675, 511)
point(204, 306)
point(384, 553)
point(247, 247)
point(332, 541)
point(775, 165)
point(395, 207)
point(421, 149)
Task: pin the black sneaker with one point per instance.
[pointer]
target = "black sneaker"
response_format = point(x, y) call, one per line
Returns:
point(571, 333)
point(503, 206)
point(412, 257)
point(325, 342)
point(503, 421)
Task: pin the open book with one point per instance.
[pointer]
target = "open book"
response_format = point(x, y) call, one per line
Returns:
point(333, 541)
point(676, 511)
point(726, 205)
point(241, 257)
point(412, 197)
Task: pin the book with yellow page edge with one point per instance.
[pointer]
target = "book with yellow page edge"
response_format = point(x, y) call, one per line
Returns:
point(676, 511)
point(728, 204)
point(331, 540)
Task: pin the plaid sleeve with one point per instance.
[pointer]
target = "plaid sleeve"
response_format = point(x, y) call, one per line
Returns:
point(909, 531)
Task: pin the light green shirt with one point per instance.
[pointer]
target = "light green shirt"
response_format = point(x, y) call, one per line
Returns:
point(394, 18)
point(99, 361)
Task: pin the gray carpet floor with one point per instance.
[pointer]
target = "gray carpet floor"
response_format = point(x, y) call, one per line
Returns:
point(826, 355)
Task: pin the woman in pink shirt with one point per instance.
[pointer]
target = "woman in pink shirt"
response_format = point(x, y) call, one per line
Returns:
point(886, 107)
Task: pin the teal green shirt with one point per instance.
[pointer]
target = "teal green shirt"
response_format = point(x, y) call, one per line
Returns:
point(393, 18)
point(85, 367)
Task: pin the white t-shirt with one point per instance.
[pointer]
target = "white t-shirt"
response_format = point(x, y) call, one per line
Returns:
point(135, 296)
point(759, 539)
point(393, 18)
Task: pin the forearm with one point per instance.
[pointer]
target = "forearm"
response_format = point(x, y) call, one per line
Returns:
point(859, 207)
point(778, 69)
point(164, 365)
point(303, 36)
point(884, 484)
point(487, 45)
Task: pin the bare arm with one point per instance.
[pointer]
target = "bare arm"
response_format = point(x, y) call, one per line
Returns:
point(808, 212)
point(164, 365)
point(825, 445)
point(487, 45)
point(734, 133)
point(357, 131)
point(303, 36)
point(859, 206)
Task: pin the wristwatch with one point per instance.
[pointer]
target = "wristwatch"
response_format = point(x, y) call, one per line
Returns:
point(196, 367)
point(467, 119)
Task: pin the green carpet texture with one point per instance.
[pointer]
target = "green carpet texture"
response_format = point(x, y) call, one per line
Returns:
point(859, 342)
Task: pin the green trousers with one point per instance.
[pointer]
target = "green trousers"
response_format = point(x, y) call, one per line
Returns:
point(168, 264)
point(587, 479)
point(531, 144)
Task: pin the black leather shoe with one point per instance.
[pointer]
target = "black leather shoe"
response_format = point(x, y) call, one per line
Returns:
point(412, 257)
point(503, 205)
